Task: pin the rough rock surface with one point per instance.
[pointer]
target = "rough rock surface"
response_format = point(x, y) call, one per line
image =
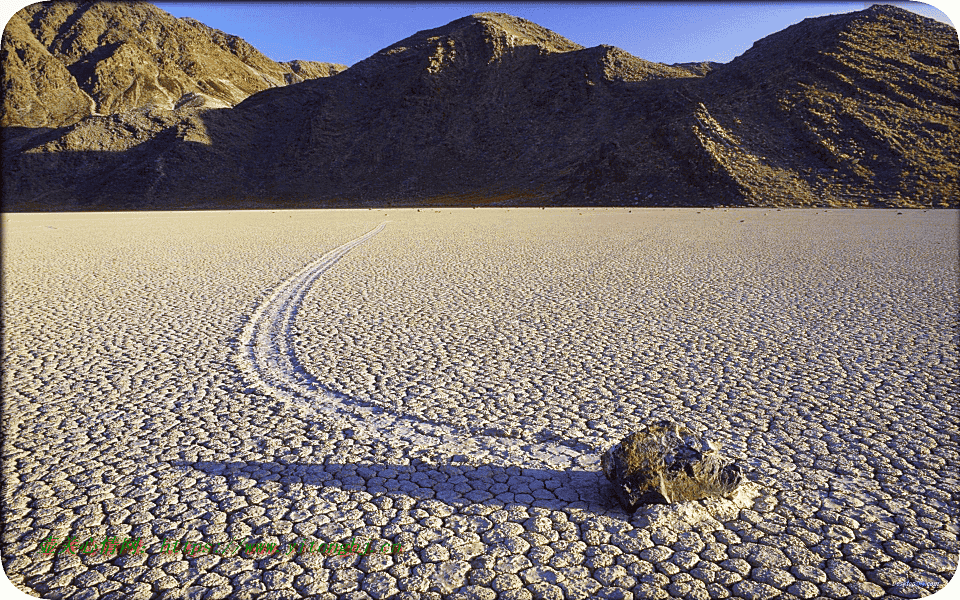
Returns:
point(63, 61)
point(667, 463)
point(857, 109)
point(698, 68)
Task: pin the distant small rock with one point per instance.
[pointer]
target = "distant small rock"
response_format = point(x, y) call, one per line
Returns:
point(667, 463)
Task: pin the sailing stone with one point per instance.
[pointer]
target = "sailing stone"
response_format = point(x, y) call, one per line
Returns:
point(666, 463)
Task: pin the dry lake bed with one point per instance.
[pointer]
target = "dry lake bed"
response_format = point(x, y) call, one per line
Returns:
point(439, 384)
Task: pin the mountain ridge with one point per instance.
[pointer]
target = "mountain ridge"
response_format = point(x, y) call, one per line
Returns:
point(491, 108)
point(127, 55)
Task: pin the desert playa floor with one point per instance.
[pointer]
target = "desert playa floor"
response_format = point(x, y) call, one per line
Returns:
point(446, 380)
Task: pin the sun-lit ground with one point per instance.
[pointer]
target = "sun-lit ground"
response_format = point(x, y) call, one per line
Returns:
point(448, 382)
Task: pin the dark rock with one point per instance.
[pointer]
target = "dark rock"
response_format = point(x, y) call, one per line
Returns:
point(668, 463)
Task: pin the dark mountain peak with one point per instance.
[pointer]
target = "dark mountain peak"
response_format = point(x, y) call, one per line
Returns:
point(487, 36)
point(616, 64)
point(455, 55)
point(854, 50)
point(515, 31)
point(458, 50)
point(879, 22)
point(889, 11)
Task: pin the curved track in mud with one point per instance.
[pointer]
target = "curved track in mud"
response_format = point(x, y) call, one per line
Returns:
point(268, 359)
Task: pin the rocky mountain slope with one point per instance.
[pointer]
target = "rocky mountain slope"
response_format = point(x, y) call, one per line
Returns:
point(63, 61)
point(859, 109)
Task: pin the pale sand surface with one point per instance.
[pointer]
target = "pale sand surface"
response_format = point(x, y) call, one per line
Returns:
point(447, 381)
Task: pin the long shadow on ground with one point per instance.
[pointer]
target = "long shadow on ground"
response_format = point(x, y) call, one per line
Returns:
point(455, 485)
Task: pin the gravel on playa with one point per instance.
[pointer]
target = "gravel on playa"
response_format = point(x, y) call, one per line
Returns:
point(447, 378)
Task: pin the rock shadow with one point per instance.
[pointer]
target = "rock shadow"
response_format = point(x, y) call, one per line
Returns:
point(457, 485)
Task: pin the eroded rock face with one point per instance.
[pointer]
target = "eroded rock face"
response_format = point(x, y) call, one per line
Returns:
point(62, 61)
point(37, 89)
point(667, 463)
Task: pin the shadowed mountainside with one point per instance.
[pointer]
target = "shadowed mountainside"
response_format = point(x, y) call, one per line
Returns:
point(858, 109)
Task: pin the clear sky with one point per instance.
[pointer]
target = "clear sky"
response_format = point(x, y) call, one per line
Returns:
point(668, 32)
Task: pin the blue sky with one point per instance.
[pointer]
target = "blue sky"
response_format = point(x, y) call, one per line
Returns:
point(663, 32)
point(659, 31)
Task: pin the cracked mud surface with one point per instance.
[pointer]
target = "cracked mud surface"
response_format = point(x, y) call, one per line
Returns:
point(448, 380)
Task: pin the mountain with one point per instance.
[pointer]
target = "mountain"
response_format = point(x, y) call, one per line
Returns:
point(487, 105)
point(63, 61)
point(858, 109)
